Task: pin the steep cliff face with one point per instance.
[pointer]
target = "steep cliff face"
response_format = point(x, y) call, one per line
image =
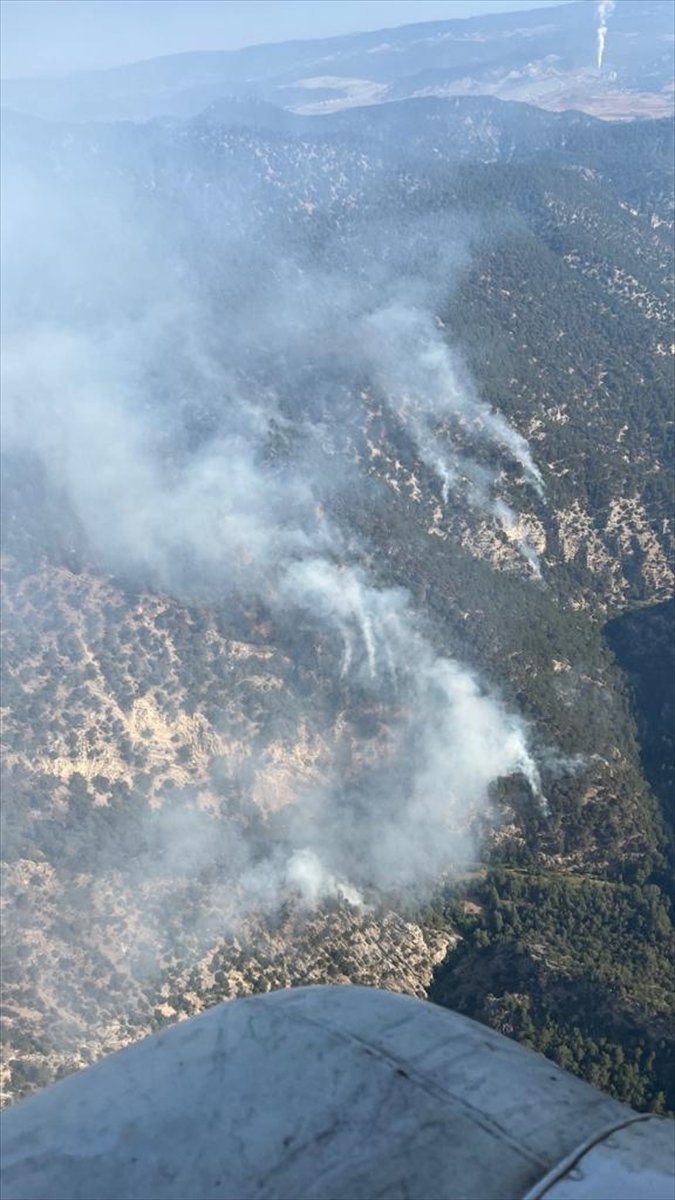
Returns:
point(643, 644)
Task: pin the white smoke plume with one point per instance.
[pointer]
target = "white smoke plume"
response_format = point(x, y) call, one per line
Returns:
point(427, 386)
point(434, 386)
point(306, 872)
point(604, 10)
point(152, 405)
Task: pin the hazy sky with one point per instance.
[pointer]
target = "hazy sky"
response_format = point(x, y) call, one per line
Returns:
point(55, 37)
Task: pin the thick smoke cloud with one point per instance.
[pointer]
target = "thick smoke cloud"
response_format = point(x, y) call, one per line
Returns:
point(157, 350)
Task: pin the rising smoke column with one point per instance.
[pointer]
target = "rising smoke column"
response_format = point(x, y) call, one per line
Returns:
point(604, 9)
point(425, 384)
point(401, 823)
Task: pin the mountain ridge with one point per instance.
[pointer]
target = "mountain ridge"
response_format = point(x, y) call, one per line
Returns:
point(550, 61)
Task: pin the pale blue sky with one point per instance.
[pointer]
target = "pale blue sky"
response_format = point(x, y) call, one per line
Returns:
point(55, 37)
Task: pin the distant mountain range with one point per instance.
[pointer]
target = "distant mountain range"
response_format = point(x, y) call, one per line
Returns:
point(546, 57)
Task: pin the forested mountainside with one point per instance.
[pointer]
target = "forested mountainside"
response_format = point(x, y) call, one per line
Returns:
point(546, 56)
point(312, 440)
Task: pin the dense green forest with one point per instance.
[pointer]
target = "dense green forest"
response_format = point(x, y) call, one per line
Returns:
point(578, 968)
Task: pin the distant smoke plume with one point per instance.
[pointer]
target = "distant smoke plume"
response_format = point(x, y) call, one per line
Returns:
point(604, 9)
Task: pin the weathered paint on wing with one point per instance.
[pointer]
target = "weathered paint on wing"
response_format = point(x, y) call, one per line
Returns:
point(333, 1092)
